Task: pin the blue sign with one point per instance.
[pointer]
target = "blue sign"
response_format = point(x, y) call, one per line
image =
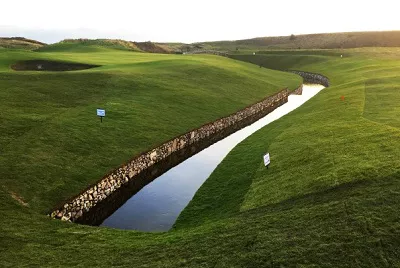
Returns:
point(101, 112)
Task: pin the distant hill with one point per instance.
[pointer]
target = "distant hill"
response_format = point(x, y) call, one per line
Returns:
point(306, 41)
point(309, 41)
point(153, 47)
point(20, 43)
point(87, 45)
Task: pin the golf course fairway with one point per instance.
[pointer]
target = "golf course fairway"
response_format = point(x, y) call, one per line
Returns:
point(330, 197)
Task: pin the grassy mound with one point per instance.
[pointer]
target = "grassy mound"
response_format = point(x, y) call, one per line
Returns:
point(333, 182)
point(98, 45)
point(329, 199)
point(53, 145)
point(20, 43)
point(89, 45)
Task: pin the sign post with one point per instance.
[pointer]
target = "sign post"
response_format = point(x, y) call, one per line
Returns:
point(101, 113)
point(267, 160)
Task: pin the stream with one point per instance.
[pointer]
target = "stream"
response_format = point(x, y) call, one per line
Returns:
point(157, 206)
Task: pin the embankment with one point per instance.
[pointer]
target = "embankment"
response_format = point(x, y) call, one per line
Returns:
point(93, 205)
point(100, 200)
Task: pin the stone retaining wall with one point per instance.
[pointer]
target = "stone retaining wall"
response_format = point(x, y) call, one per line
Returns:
point(312, 78)
point(297, 91)
point(213, 52)
point(97, 202)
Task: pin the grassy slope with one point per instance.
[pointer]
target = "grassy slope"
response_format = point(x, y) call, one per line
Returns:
point(53, 145)
point(334, 178)
point(330, 197)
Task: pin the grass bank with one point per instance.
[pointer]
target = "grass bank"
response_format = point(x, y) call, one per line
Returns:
point(330, 197)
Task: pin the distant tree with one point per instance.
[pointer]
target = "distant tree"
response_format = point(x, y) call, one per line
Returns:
point(292, 37)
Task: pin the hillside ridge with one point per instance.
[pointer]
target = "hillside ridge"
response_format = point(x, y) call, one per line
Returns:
point(20, 42)
point(340, 40)
point(312, 41)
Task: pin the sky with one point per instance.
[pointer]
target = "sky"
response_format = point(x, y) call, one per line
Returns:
point(188, 21)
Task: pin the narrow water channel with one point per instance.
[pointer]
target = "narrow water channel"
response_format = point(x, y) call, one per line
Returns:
point(157, 206)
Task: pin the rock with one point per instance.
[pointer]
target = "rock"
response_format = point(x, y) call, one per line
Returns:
point(153, 155)
point(174, 145)
point(79, 214)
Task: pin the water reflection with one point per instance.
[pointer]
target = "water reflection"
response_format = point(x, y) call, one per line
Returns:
point(158, 205)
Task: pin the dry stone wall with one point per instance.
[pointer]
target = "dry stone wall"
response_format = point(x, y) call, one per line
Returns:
point(213, 52)
point(97, 202)
point(298, 91)
point(312, 78)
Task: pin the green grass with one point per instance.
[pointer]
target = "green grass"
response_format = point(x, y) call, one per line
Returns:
point(382, 98)
point(89, 45)
point(54, 145)
point(330, 198)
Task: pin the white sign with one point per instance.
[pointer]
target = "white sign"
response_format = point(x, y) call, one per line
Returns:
point(101, 112)
point(266, 159)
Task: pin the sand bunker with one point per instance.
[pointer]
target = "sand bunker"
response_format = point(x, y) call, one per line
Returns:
point(45, 65)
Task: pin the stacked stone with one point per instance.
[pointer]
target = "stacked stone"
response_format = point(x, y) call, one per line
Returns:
point(213, 52)
point(313, 78)
point(73, 210)
point(298, 91)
